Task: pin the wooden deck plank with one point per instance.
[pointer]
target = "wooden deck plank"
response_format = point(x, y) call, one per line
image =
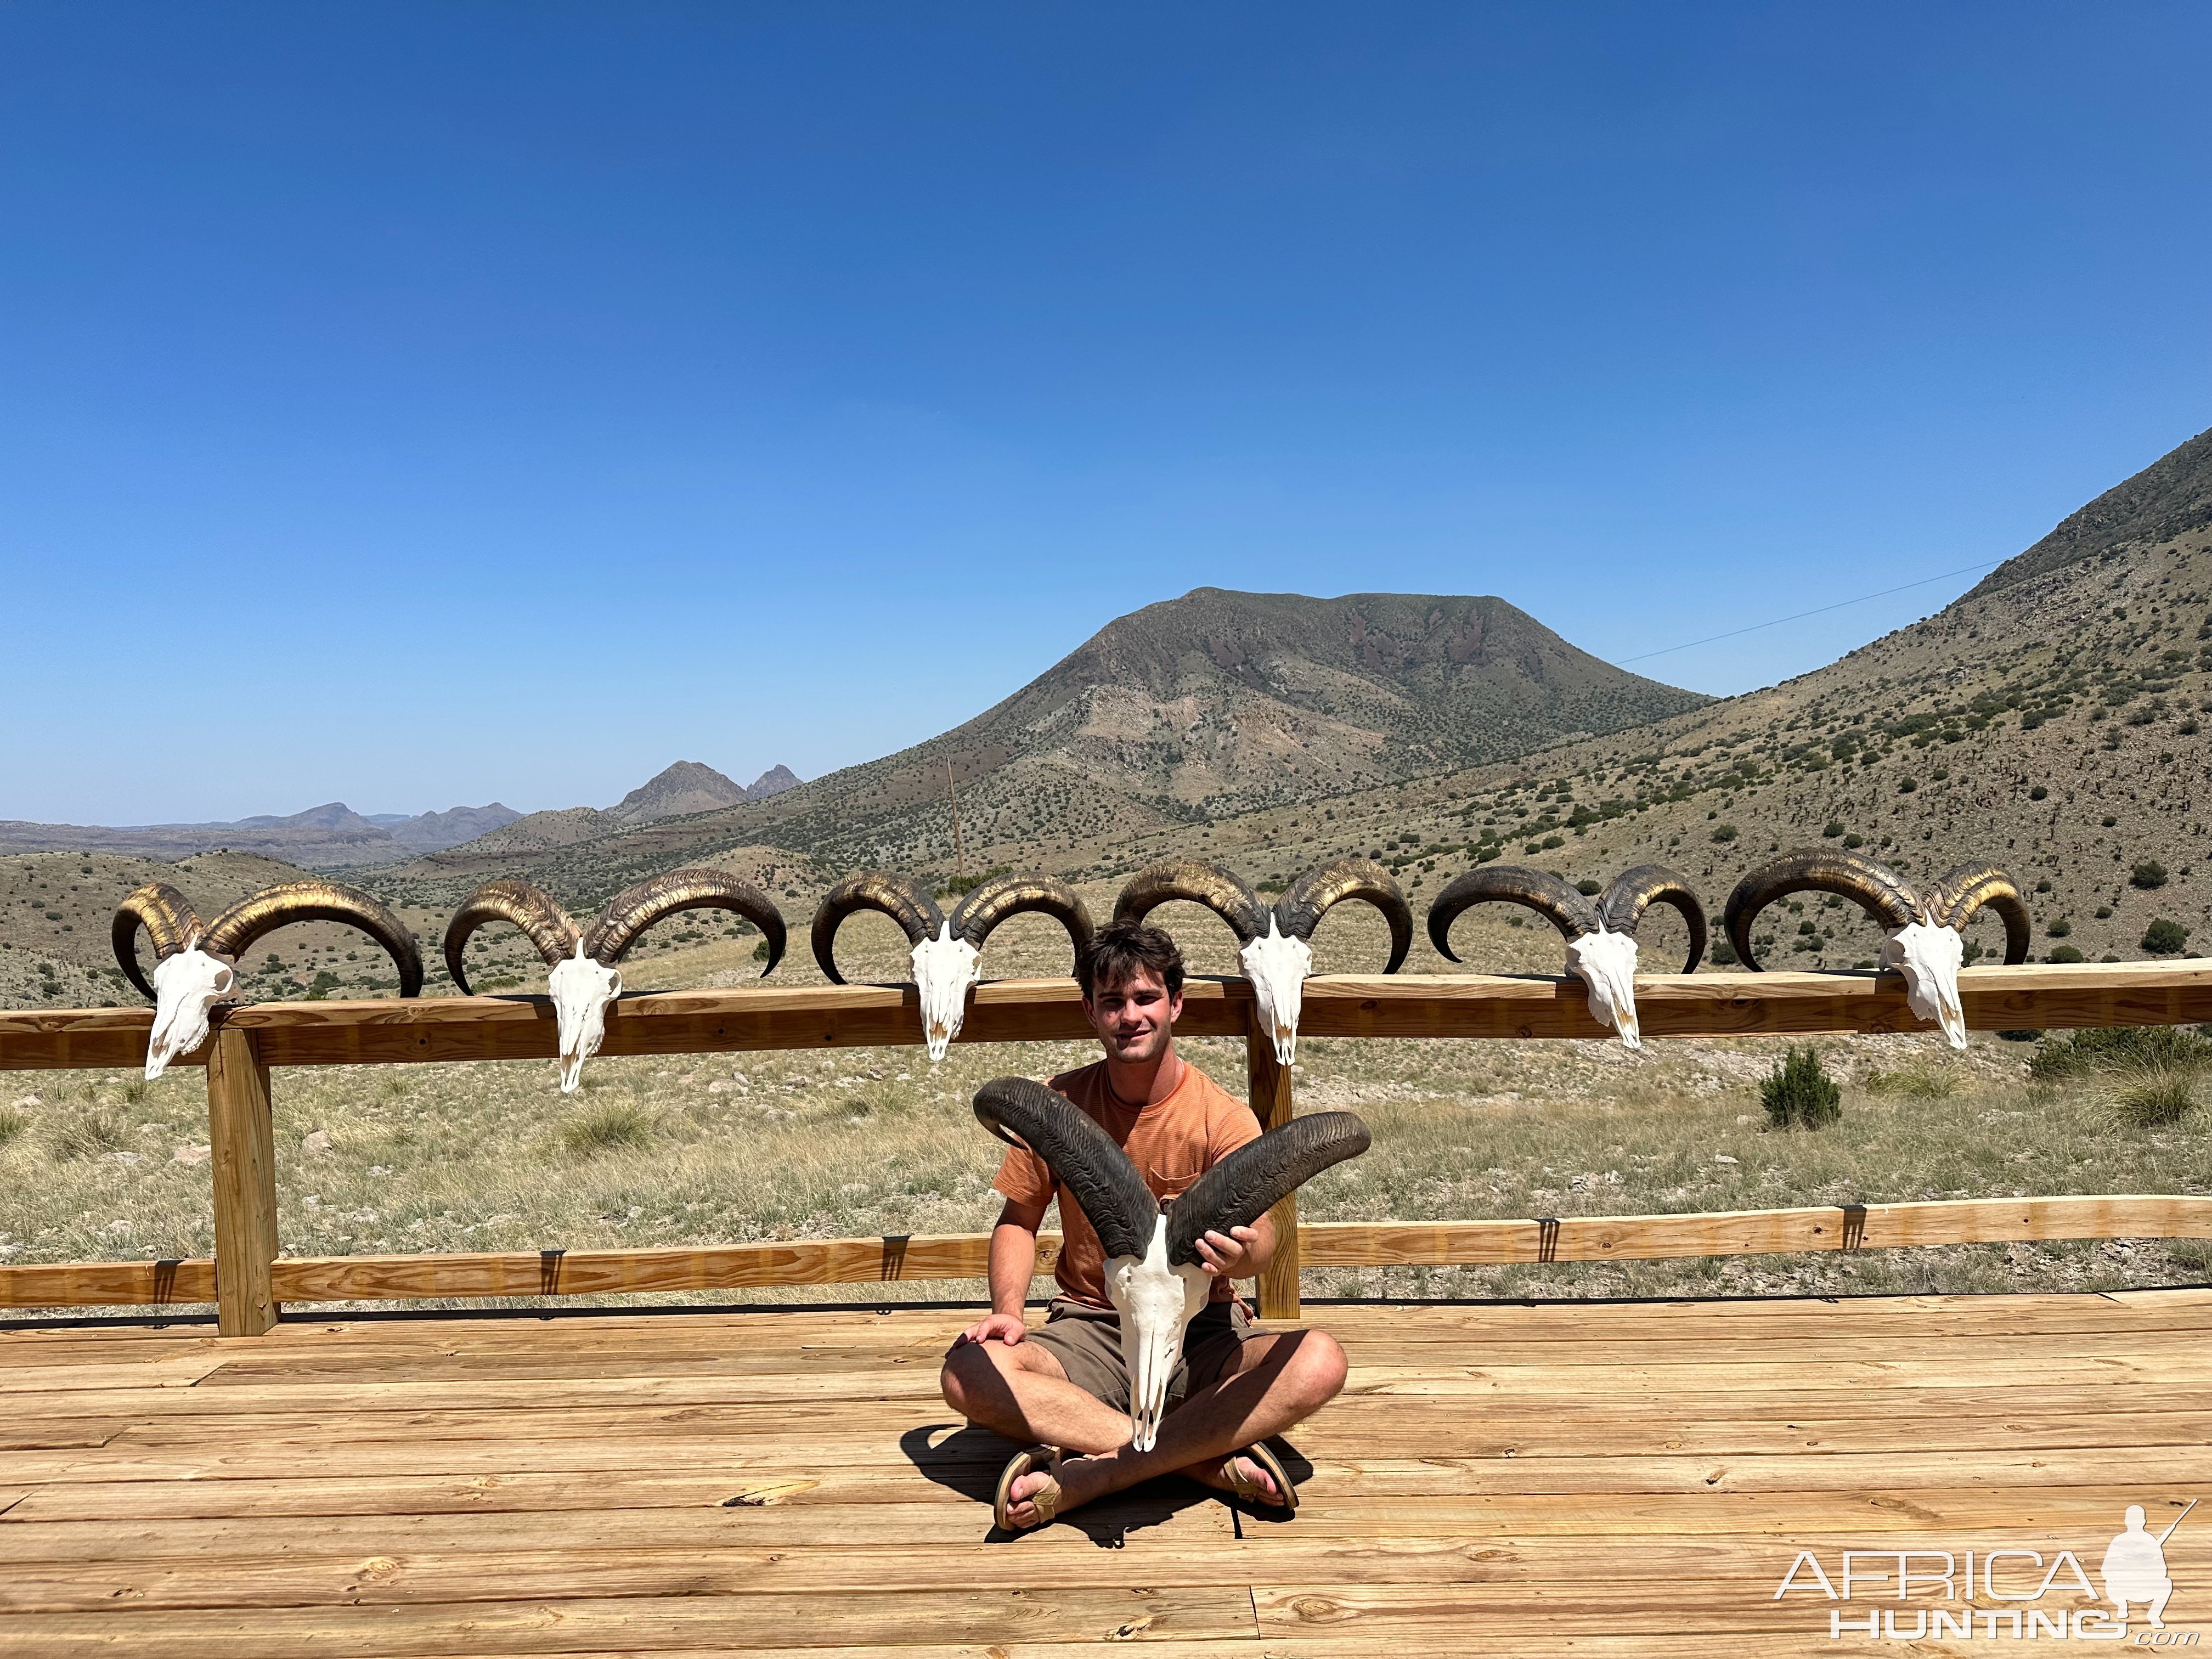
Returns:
point(1501, 1477)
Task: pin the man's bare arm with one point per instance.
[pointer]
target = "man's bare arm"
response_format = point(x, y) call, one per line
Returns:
point(1013, 1264)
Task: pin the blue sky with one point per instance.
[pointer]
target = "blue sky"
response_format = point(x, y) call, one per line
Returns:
point(423, 403)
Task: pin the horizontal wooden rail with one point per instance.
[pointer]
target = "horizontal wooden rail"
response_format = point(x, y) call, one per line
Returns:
point(966, 1256)
point(2040, 995)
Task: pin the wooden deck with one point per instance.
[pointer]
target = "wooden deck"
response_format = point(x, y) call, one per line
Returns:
point(1565, 1478)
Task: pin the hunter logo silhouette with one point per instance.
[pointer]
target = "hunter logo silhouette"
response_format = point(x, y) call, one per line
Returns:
point(2134, 1568)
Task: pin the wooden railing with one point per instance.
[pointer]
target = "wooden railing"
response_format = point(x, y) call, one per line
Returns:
point(248, 1282)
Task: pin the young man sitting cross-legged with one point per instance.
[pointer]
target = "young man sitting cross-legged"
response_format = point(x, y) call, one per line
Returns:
point(1066, 1386)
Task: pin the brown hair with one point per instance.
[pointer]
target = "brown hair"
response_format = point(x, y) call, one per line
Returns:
point(1120, 949)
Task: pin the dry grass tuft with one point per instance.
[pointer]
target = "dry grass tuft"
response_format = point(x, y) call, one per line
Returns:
point(2150, 1096)
point(89, 1133)
point(609, 1125)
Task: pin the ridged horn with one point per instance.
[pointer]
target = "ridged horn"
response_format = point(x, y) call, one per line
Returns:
point(1512, 883)
point(978, 914)
point(1082, 1157)
point(234, 932)
point(634, 909)
point(1636, 890)
point(1203, 882)
point(528, 906)
point(1257, 1175)
point(1961, 890)
point(915, 911)
point(170, 922)
point(1881, 893)
point(1308, 899)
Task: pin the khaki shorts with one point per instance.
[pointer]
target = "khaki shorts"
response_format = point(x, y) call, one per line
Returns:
point(1087, 1342)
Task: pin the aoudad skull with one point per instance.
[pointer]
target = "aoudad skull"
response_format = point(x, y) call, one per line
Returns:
point(1929, 956)
point(582, 987)
point(1606, 963)
point(943, 969)
point(1278, 965)
point(187, 985)
point(1155, 1302)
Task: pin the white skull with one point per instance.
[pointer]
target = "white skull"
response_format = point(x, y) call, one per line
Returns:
point(187, 987)
point(1606, 962)
point(1157, 1302)
point(1929, 958)
point(582, 987)
point(943, 969)
point(1277, 966)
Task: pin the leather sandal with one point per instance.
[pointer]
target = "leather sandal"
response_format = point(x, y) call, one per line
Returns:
point(1284, 1498)
point(1046, 1499)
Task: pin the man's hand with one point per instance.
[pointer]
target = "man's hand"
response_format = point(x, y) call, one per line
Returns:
point(1229, 1256)
point(995, 1327)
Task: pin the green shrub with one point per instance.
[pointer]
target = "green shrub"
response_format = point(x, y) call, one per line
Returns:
point(2038, 792)
point(2060, 928)
point(2064, 953)
point(2164, 938)
point(1835, 827)
point(1799, 1094)
point(1589, 889)
point(1724, 833)
point(1852, 843)
point(2147, 874)
point(1723, 954)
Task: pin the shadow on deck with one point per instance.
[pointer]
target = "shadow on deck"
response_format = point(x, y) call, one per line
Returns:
point(1614, 1479)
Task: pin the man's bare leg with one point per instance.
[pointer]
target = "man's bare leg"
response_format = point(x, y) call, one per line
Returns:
point(1280, 1382)
point(1019, 1389)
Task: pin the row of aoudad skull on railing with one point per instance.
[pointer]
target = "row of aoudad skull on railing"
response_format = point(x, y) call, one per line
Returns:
point(196, 963)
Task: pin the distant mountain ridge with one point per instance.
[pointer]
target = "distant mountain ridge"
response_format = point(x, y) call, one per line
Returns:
point(330, 837)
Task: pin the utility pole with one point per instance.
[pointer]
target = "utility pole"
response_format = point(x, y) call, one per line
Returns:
point(959, 857)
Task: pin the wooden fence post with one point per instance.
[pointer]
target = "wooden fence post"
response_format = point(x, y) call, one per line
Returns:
point(1267, 1082)
point(243, 1141)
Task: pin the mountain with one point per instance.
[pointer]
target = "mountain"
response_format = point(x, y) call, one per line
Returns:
point(330, 837)
point(774, 781)
point(677, 791)
point(2170, 498)
point(1191, 709)
point(433, 832)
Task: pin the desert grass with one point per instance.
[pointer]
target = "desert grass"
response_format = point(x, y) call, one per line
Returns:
point(729, 1148)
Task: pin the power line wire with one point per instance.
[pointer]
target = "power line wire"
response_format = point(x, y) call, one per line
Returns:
point(1817, 610)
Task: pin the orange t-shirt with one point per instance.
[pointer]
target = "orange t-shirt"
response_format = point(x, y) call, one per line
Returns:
point(1172, 1142)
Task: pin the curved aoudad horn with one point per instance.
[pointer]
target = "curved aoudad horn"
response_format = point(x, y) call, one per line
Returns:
point(635, 908)
point(915, 911)
point(170, 922)
point(1514, 883)
point(1308, 899)
point(1966, 888)
point(1257, 1175)
point(230, 933)
point(976, 915)
point(1108, 1188)
point(1215, 886)
point(528, 906)
point(1881, 893)
point(1637, 890)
